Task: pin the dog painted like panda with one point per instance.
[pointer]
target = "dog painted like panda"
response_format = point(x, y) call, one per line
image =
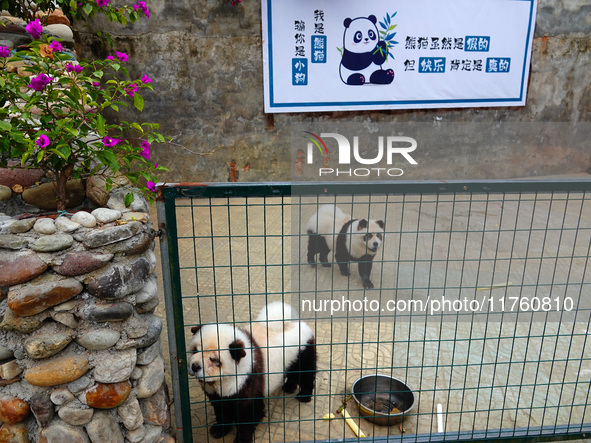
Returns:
point(239, 367)
point(353, 240)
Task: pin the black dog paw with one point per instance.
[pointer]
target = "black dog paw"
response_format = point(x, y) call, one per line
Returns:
point(303, 398)
point(367, 284)
point(219, 431)
point(289, 387)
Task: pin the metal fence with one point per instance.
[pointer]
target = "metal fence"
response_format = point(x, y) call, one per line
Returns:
point(481, 303)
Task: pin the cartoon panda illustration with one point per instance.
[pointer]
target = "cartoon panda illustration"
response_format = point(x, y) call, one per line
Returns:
point(362, 59)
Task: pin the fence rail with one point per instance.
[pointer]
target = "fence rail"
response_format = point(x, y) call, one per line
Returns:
point(482, 302)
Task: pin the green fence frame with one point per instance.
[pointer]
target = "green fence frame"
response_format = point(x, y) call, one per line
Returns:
point(168, 194)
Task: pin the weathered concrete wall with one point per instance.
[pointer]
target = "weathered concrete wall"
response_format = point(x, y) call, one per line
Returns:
point(206, 60)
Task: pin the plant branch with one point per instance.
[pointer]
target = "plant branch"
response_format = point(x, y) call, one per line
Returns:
point(201, 154)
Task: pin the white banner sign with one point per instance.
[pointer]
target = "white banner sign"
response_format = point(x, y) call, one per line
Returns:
point(327, 55)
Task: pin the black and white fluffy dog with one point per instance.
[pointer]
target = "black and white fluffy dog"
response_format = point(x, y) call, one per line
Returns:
point(238, 368)
point(351, 239)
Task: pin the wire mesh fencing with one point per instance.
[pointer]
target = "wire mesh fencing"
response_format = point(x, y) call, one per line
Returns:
point(478, 306)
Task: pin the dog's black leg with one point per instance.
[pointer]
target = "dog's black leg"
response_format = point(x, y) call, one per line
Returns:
point(302, 373)
point(292, 376)
point(317, 245)
point(342, 259)
point(312, 248)
point(307, 375)
point(365, 264)
point(341, 254)
point(219, 431)
point(224, 418)
point(291, 384)
point(344, 267)
point(250, 414)
point(245, 433)
point(323, 249)
point(343, 262)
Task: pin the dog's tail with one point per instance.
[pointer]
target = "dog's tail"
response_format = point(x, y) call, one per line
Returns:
point(328, 220)
point(277, 314)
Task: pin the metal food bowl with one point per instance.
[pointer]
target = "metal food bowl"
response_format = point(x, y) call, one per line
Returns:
point(382, 399)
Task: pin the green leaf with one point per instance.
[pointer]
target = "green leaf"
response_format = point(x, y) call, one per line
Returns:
point(5, 126)
point(72, 131)
point(100, 124)
point(138, 102)
point(115, 108)
point(110, 160)
point(87, 8)
point(58, 153)
point(147, 176)
point(129, 199)
point(137, 127)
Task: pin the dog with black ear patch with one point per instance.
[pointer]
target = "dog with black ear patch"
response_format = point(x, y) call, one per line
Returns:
point(239, 368)
point(351, 239)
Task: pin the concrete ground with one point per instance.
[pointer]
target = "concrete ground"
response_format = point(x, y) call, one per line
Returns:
point(511, 353)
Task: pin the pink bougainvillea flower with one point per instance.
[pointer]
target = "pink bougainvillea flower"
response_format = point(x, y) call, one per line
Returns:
point(55, 46)
point(109, 142)
point(151, 186)
point(110, 57)
point(146, 150)
point(35, 29)
point(144, 9)
point(4, 51)
point(146, 79)
point(131, 89)
point(102, 3)
point(39, 82)
point(235, 2)
point(122, 56)
point(96, 84)
point(70, 67)
point(142, 5)
point(42, 141)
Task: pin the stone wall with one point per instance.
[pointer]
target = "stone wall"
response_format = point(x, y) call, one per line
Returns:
point(80, 353)
point(205, 58)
